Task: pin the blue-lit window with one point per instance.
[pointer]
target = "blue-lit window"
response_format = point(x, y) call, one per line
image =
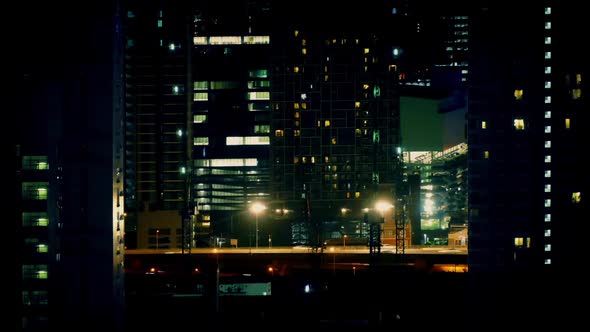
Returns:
point(548, 247)
point(547, 233)
point(547, 70)
point(547, 84)
point(548, 173)
point(547, 217)
point(547, 188)
point(548, 202)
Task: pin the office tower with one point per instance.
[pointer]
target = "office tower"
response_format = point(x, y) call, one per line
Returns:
point(198, 105)
point(68, 162)
point(527, 121)
point(335, 147)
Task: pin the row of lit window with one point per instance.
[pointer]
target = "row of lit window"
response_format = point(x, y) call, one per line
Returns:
point(575, 95)
point(35, 163)
point(519, 124)
point(231, 40)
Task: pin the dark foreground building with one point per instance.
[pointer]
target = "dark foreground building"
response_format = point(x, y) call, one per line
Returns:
point(68, 158)
point(528, 183)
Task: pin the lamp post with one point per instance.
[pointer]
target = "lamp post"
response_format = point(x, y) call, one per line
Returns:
point(157, 238)
point(344, 241)
point(257, 207)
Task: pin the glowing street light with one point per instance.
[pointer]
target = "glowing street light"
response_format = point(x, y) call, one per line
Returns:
point(256, 208)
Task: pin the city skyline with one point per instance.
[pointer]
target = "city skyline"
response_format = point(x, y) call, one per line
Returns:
point(157, 125)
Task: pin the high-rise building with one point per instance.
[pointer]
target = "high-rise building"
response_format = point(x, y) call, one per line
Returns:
point(335, 146)
point(527, 128)
point(198, 118)
point(68, 161)
point(221, 97)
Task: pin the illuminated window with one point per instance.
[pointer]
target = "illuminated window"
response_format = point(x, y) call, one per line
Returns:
point(261, 129)
point(296, 32)
point(219, 85)
point(519, 124)
point(296, 106)
point(547, 261)
point(547, 188)
point(547, 217)
point(486, 154)
point(313, 159)
point(578, 79)
point(201, 85)
point(279, 133)
point(34, 190)
point(365, 86)
point(576, 93)
point(327, 123)
point(348, 194)
point(548, 25)
point(296, 115)
point(296, 160)
point(277, 106)
point(326, 77)
point(576, 197)
point(35, 219)
point(258, 73)
point(547, 144)
point(547, 55)
point(548, 202)
point(547, 114)
point(199, 118)
point(42, 248)
point(35, 163)
point(357, 194)
point(200, 96)
point(547, 233)
point(547, 84)
point(303, 42)
point(548, 173)
point(296, 69)
point(484, 125)
point(247, 140)
point(547, 40)
point(518, 242)
point(201, 141)
point(304, 106)
point(160, 23)
point(296, 132)
point(518, 94)
point(366, 51)
point(567, 123)
point(357, 132)
point(548, 247)
point(258, 95)
point(304, 160)
point(333, 141)
point(547, 159)
point(357, 104)
point(256, 40)
point(547, 99)
point(304, 51)
point(547, 129)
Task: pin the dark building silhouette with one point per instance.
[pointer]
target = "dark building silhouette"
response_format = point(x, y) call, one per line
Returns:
point(527, 124)
point(66, 96)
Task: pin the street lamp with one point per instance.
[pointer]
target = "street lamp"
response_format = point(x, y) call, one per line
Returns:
point(257, 207)
point(344, 241)
point(157, 236)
